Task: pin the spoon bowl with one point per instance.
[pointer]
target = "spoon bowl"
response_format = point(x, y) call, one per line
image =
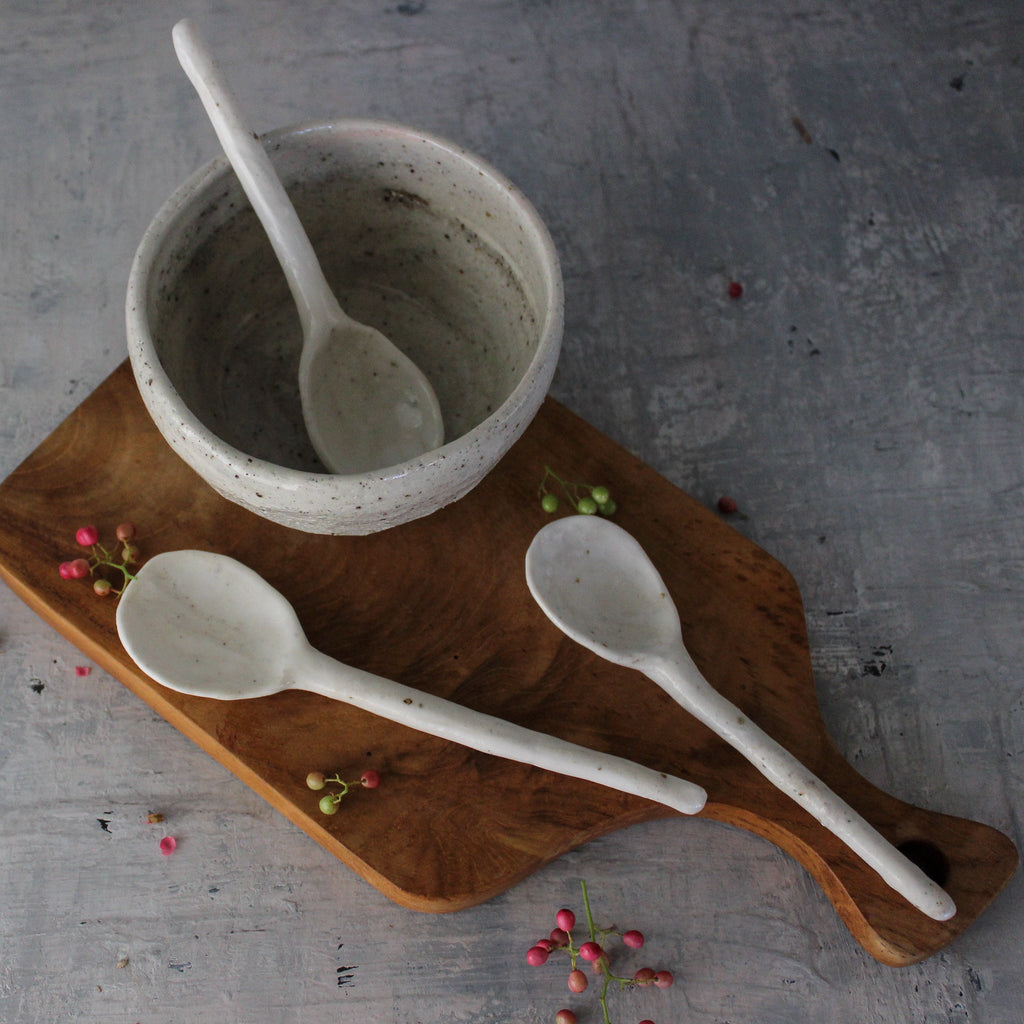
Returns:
point(596, 583)
point(607, 595)
point(366, 405)
point(207, 625)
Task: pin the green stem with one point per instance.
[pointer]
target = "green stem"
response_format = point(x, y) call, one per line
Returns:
point(571, 491)
point(605, 966)
point(586, 907)
point(603, 999)
point(102, 557)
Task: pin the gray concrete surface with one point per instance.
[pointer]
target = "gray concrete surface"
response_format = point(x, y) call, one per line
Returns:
point(857, 167)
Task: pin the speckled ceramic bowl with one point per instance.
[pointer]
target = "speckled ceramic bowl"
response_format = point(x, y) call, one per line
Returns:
point(418, 238)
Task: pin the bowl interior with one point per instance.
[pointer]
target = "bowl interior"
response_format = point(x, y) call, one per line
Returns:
point(416, 237)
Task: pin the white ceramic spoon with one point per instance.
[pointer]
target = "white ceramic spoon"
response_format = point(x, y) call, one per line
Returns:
point(366, 405)
point(207, 625)
point(598, 586)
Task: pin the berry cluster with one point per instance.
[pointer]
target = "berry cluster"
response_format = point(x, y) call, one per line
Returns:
point(583, 498)
point(100, 558)
point(594, 951)
point(329, 801)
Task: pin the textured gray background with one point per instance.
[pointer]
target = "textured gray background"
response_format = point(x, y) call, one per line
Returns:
point(862, 402)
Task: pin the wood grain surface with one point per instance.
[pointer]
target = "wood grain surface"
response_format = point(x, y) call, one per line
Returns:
point(442, 604)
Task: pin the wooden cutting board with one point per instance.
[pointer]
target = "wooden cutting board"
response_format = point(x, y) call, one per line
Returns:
point(442, 604)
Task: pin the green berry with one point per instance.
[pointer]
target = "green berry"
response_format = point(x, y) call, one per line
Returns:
point(549, 503)
point(600, 495)
point(316, 780)
point(586, 506)
point(328, 805)
point(609, 507)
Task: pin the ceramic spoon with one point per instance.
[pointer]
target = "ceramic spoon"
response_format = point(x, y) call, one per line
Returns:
point(366, 405)
point(207, 625)
point(598, 586)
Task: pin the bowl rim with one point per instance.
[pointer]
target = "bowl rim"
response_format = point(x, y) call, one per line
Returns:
point(145, 362)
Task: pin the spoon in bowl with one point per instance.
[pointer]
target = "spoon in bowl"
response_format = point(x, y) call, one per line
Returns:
point(366, 405)
point(207, 625)
point(596, 583)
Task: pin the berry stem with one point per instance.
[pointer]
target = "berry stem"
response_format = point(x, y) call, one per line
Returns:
point(100, 556)
point(606, 975)
point(590, 916)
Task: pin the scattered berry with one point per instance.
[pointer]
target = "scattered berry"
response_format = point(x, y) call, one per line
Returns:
point(735, 290)
point(168, 845)
point(82, 670)
point(727, 506)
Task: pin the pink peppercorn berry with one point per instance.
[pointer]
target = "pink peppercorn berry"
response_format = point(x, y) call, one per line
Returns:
point(566, 920)
point(727, 505)
point(559, 937)
point(565, 1017)
point(577, 981)
point(370, 779)
point(644, 976)
point(663, 979)
point(74, 570)
point(633, 939)
point(735, 290)
point(126, 531)
point(536, 955)
point(591, 951)
point(87, 536)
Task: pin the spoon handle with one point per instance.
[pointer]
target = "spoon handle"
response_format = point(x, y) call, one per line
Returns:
point(241, 145)
point(681, 679)
point(427, 713)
